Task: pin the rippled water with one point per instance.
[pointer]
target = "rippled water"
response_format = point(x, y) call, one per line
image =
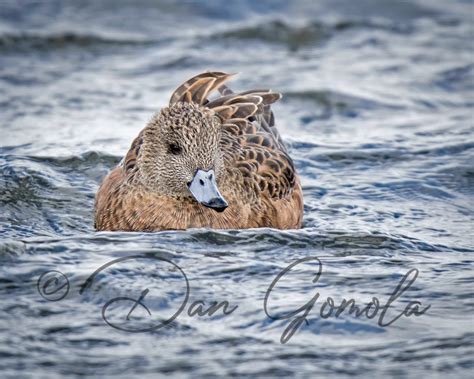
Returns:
point(377, 113)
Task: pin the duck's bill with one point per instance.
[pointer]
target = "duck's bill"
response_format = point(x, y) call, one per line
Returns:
point(204, 189)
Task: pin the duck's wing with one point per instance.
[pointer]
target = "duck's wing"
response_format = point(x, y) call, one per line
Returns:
point(250, 140)
point(253, 144)
point(259, 156)
point(196, 89)
point(262, 120)
point(129, 164)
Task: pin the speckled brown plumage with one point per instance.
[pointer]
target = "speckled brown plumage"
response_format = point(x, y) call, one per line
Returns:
point(233, 134)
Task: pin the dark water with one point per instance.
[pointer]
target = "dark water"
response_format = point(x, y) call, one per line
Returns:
point(377, 113)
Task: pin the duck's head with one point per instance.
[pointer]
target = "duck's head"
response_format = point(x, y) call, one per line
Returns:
point(180, 155)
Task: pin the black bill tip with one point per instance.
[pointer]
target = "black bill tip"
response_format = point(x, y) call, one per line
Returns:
point(219, 205)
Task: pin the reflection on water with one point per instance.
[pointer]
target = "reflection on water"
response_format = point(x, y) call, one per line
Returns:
point(377, 113)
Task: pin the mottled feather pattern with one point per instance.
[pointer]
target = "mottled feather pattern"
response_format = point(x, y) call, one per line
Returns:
point(232, 133)
point(129, 164)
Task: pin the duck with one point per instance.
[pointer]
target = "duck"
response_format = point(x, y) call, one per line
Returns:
point(213, 158)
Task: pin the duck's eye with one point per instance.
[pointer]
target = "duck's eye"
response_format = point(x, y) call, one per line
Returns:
point(175, 149)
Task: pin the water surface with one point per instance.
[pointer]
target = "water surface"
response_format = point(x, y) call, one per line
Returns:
point(377, 114)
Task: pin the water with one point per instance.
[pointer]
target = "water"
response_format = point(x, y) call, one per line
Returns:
point(377, 114)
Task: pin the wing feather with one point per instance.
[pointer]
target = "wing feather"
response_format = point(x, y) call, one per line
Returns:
point(250, 142)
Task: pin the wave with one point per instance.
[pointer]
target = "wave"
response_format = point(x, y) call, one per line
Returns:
point(85, 159)
point(33, 41)
point(315, 32)
point(338, 102)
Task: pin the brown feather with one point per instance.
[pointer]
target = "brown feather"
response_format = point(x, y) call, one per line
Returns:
point(261, 184)
point(198, 87)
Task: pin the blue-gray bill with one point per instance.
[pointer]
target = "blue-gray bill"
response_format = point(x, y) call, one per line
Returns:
point(204, 189)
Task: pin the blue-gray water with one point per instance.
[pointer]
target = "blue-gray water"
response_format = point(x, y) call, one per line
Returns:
point(377, 114)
